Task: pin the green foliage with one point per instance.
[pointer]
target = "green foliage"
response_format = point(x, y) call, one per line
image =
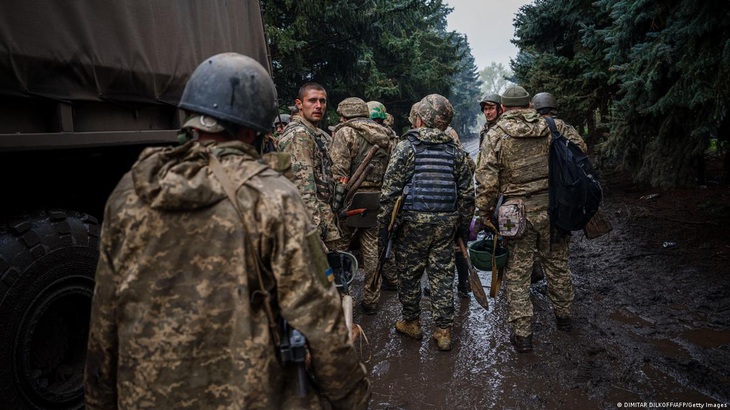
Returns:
point(658, 71)
point(495, 78)
point(395, 52)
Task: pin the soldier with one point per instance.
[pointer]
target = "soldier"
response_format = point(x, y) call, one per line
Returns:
point(490, 105)
point(378, 113)
point(432, 175)
point(547, 106)
point(205, 252)
point(311, 163)
point(462, 265)
point(514, 163)
point(271, 140)
point(280, 122)
point(355, 137)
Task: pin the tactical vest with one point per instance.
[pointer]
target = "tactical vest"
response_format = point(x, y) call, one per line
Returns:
point(433, 185)
point(323, 164)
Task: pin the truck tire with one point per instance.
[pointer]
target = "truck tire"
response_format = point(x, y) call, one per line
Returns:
point(47, 264)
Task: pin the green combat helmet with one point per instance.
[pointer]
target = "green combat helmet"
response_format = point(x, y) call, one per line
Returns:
point(480, 254)
point(490, 98)
point(353, 107)
point(545, 103)
point(436, 111)
point(515, 96)
point(377, 110)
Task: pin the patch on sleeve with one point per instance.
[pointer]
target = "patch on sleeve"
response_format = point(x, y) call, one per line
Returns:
point(322, 268)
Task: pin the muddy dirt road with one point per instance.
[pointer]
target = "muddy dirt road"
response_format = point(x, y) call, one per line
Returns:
point(651, 324)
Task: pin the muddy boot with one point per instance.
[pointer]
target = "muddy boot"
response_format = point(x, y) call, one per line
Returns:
point(368, 309)
point(521, 344)
point(537, 273)
point(564, 323)
point(410, 328)
point(442, 338)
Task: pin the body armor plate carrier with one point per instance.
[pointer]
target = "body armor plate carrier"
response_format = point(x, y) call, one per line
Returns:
point(433, 186)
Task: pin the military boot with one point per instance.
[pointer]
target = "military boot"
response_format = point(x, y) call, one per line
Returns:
point(442, 338)
point(410, 328)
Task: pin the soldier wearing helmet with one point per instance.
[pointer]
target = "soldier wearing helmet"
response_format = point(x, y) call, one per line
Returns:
point(492, 108)
point(381, 116)
point(200, 246)
point(354, 139)
point(514, 165)
point(438, 204)
point(309, 148)
point(280, 122)
point(270, 142)
point(545, 104)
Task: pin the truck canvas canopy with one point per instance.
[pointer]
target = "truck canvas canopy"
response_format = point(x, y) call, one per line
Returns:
point(120, 51)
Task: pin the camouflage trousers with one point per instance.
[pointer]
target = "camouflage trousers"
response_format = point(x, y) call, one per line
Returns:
point(421, 245)
point(554, 260)
point(367, 240)
point(390, 272)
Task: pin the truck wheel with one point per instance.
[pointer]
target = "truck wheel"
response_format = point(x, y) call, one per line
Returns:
point(47, 265)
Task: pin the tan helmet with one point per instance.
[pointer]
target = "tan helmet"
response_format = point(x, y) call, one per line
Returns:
point(515, 96)
point(436, 111)
point(353, 107)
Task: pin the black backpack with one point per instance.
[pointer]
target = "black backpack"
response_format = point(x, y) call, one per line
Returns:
point(573, 188)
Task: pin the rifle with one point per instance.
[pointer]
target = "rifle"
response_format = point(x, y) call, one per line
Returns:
point(392, 228)
point(293, 349)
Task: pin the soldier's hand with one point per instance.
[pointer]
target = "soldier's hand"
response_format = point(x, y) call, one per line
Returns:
point(478, 226)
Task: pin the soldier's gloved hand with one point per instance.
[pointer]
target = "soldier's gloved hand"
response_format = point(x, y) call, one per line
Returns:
point(383, 238)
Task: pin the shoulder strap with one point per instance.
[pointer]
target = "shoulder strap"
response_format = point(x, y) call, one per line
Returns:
point(553, 128)
point(227, 184)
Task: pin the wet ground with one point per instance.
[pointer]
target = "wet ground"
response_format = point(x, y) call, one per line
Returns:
point(651, 323)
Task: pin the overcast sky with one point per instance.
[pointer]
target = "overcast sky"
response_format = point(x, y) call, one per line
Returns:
point(488, 27)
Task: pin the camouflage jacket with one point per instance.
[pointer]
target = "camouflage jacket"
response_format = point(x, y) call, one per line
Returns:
point(177, 318)
point(400, 171)
point(514, 160)
point(312, 167)
point(351, 143)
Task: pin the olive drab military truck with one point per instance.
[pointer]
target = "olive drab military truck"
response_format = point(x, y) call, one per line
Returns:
point(85, 85)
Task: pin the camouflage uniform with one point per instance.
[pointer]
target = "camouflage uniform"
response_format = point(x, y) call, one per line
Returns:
point(514, 162)
point(311, 165)
point(178, 320)
point(462, 265)
point(426, 239)
point(353, 139)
